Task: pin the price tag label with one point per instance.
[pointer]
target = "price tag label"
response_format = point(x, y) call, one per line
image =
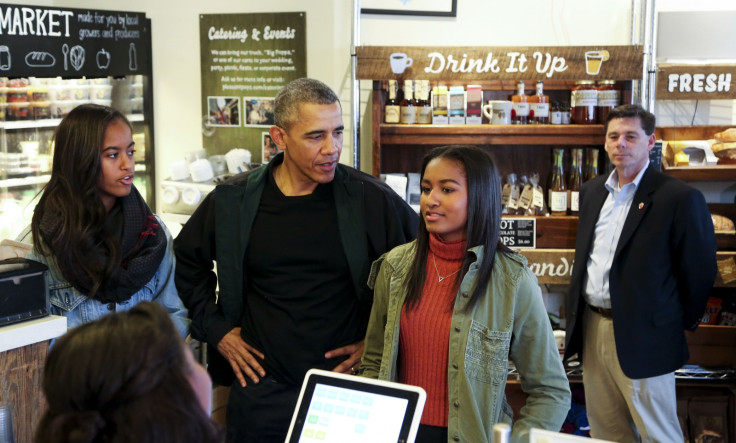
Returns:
point(519, 233)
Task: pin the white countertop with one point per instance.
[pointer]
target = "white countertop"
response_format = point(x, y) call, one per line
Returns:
point(31, 331)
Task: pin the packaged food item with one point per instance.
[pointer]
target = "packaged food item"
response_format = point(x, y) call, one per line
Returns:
point(584, 102)
point(38, 93)
point(18, 94)
point(100, 92)
point(60, 92)
point(80, 92)
point(18, 111)
point(608, 98)
point(40, 110)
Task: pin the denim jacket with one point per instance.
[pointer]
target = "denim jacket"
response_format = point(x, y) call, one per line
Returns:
point(79, 309)
point(508, 323)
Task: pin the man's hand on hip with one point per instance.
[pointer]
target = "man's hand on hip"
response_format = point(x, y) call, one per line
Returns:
point(352, 363)
point(241, 356)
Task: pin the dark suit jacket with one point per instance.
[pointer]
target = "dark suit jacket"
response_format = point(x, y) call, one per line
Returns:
point(661, 276)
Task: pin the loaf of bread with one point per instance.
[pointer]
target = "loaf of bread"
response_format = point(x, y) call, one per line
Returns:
point(721, 223)
point(729, 135)
point(724, 149)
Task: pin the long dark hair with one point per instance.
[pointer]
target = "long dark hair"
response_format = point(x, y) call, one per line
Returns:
point(122, 379)
point(484, 218)
point(82, 248)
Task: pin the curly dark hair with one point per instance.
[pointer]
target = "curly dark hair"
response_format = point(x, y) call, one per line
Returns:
point(122, 379)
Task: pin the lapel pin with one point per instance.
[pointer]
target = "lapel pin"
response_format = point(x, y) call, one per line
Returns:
point(641, 206)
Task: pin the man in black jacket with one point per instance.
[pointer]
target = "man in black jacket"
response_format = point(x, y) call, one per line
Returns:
point(645, 262)
point(293, 241)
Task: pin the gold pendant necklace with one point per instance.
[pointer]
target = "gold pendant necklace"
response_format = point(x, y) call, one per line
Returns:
point(439, 277)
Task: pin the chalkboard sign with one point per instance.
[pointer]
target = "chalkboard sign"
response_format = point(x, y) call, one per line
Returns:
point(519, 233)
point(56, 41)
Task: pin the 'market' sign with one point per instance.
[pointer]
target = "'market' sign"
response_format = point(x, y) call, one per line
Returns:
point(47, 42)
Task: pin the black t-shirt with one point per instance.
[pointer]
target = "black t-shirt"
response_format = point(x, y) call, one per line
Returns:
point(299, 298)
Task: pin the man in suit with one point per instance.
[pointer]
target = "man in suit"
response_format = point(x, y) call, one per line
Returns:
point(645, 262)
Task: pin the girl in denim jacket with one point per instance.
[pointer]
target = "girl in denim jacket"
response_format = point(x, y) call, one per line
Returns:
point(104, 248)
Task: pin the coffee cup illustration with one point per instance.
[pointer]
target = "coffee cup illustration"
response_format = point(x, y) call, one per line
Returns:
point(399, 62)
point(594, 60)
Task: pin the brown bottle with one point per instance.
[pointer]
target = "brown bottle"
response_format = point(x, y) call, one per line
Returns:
point(539, 106)
point(423, 104)
point(392, 110)
point(519, 106)
point(408, 105)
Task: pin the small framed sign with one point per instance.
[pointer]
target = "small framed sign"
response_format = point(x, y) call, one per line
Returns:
point(519, 233)
point(441, 8)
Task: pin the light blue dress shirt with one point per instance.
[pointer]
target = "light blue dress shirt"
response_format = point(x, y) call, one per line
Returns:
point(605, 238)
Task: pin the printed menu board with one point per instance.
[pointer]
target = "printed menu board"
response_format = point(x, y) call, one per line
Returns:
point(57, 41)
point(245, 60)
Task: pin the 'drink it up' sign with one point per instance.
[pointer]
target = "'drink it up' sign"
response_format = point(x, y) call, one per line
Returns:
point(696, 82)
point(500, 63)
point(57, 41)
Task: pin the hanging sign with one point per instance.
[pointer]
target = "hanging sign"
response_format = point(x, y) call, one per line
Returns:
point(519, 232)
point(245, 60)
point(449, 63)
point(696, 82)
point(45, 41)
point(551, 266)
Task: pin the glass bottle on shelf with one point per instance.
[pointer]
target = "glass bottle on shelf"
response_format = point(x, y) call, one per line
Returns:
point(392, 110)
point(510, 195)
point(555, 113)
point(423, 105)
point(539, 106)
point(565, 113)
point(408, 108)
point(557, 188)
point(591, 170)
point(519, 106)
point(608, 98)
point(584, 102)
point(574, 181)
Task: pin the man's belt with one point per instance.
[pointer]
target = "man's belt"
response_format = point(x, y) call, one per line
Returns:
point(608, 313)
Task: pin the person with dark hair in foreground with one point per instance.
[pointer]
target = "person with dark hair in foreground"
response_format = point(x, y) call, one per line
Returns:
point(127, 377)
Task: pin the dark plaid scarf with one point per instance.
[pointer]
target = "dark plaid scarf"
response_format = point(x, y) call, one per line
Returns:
point(143, 246)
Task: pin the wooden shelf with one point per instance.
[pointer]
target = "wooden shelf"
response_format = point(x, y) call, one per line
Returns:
point(519, 148)
point(544, 135)
point(700, 173)
point(712, 345)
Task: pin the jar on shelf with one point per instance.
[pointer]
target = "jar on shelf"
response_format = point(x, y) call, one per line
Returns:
point(609, 97)
point(584, 102)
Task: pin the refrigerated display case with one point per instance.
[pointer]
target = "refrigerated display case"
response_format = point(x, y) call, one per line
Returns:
point(51, 60)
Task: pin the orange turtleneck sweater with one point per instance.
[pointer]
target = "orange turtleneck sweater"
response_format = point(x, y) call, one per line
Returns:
point(424, 332)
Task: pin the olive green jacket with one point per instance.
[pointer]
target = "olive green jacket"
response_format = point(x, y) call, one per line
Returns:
point(509, 323)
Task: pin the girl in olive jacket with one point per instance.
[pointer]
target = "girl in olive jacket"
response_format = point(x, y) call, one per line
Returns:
point(454, 306)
